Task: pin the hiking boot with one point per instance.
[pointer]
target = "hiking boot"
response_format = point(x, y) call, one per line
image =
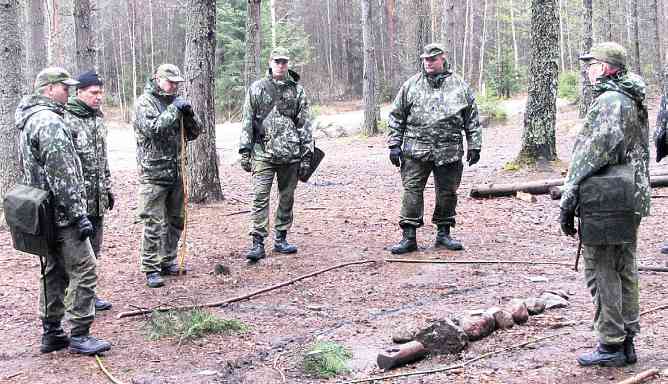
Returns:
point(407, 243)
point(257, 249)
point(54, 337)
point(605, 356)
point(101, 304)
point(281, 245)
point(664, 248)
point(172, 270)
point(443, 239)
point(88, 345)
point(153, 280)
point(630, 350)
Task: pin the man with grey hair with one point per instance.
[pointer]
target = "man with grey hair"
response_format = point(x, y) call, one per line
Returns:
point(50, 163)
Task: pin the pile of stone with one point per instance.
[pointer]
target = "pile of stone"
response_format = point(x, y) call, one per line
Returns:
point(452, 335)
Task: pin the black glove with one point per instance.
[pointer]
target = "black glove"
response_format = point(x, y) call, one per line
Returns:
point(245, 161)
point(567, 220)
point(473, 156)
point(304, 167)
point(112, 200)
point(395, 156)
point(85, 228)
point(181, 104)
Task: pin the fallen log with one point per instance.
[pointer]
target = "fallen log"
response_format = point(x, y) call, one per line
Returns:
point(401, 355)
point(641, 377)
point(239, 298)
point(655, 181)
point(498, 190)
point(417, 261)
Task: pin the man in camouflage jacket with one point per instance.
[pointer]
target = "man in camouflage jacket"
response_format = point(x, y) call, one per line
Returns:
point(276, 135)
point(50, 162)
point(615, 132)
point(89, 136)
point(426, 122)
point(161, 118)
point(662, 124)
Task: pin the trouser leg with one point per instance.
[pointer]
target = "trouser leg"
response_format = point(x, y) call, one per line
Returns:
point(414, 176)
point(173, 222)
point(286, 178)
point(628, 267)
point(153, 199)
point(263, 177)
point(447, 179)
point(57, 281)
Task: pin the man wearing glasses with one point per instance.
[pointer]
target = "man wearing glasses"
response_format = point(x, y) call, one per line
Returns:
point(276, 141)
point(614, 138)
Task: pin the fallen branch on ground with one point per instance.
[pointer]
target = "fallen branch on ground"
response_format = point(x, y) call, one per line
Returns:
point(244, 297)
point(106, 373)
point(455, 366)
point(476, 262)
point(652, 269)
point(641, 377)
point(659, 308)
point(237, 213)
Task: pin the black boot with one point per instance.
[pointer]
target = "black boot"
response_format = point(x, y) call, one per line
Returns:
point(102, 304)
point(605, 356)
point(257, 249)
point(54, 337)
point(407, 243)
point(153, 280)
point(630, 350)
point(281, 245)
point(88, 345)
point(443, 239)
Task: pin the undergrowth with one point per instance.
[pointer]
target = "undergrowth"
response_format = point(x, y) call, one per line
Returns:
point(190, 325)
point(326, 359)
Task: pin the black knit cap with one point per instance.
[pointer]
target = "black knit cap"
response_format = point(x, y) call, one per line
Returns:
point(88, 78)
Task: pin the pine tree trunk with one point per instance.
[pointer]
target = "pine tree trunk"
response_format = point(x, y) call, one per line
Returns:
point(635, 37)
point(538, 139)
point(512, 27)
point(448, 33)
point(36, 38)
point(11, 86)
point(586, 96)
point(483, 40)
point(658, 44)
point(253, 42)
point(369, 77)
point(423, 30)
point(85, 39)
point(203, 180)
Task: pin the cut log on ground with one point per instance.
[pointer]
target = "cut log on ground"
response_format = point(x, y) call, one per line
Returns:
point(655, 181)
point(641, 377)
point(498, 190)
point(401, 355)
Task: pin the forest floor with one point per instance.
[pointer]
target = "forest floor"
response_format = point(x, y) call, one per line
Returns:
point(347, 212)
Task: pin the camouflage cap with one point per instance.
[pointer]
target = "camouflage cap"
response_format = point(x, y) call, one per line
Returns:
point(431, 50)
point(170, 72)
point(279, 53)
point(608, 52)
point(54, 75)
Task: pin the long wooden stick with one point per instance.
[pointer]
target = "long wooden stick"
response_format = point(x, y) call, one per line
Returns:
point(665, 306)
point(476, 262)
point(455, 366)
point(244, 297)
point(652, 269)
point(641, 377)
point(106, 373)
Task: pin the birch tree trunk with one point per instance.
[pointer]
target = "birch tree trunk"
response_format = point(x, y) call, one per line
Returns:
point(11, 86)
point(37, 39)
point(466, 36)
point(272, 10)
point(538, 139)
point(199, 65)
point(253, 42)
point(369, 126)
point(482, 49)
point(85, 40)
point(516, 56)
point(658, 44)
point(587, 42)
point(561, 38)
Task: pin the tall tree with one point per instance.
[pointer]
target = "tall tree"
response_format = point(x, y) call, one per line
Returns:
point(538, 138)
point(85, 38)
point(203, 180)
point(35, 17)
point(423, 27)
point(369, 93)
point(253, 41)
point(586, 95)
point(658, 41)
point(635, 37)
point(11, 86)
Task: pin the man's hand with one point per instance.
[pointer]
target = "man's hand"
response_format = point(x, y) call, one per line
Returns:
point(567, 220)
point(395, 156)
point(473, 156)
point(245, 161)
point(112, 200)
point(85, 228)
point(182, 104)
point(304, 167)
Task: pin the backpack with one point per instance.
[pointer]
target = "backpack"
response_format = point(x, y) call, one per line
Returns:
point(30, 217)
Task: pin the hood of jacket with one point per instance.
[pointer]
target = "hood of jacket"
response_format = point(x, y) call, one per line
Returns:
point(152, 88)
point(629, 84)
point(77, 107)
point(31, 104)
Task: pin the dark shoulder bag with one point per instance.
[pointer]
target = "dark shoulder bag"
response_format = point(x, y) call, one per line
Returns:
point(29, 215)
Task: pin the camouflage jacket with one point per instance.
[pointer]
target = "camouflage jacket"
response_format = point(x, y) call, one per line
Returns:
point(158, 134)
point(49, 159)
point(429, 115)
point(662, 117)
point(284, 111)
point(89, 136)
point(615, 131)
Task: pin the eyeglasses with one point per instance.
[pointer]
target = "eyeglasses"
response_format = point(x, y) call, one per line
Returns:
point(591, 63)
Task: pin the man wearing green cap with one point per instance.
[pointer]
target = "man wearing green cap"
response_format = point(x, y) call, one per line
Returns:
point(276, 141)
point(50, 162)
point(426, 122)
point(614, 138)
point(161, 118)
point(89, 136)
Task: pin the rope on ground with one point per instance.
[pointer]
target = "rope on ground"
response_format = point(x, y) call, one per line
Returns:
point(244, 297)
point(641, 377)
point(106, 373)
point(183, 249)
point(455, 366)
point(476, 262)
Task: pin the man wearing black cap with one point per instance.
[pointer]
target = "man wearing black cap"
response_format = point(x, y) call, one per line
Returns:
point(89, 136)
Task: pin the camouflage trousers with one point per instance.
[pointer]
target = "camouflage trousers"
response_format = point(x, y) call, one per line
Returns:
point(163, 215)
point(263, 177)
point(98, 237)
point(71, 278)
point(414, 176)
point(611, 273)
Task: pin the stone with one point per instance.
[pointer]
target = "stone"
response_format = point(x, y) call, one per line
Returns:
point(518, 311)
point(442, 337)
point(404, 334)
point(559, 292)
point(502, 318)
point(535, 306)
point(552, 300)
point(477, 326)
